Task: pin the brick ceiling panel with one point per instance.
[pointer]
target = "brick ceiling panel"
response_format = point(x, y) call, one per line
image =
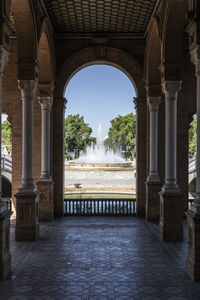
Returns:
point(100, 16)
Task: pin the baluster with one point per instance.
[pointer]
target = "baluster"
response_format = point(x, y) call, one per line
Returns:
point(73, 203)
point(83, 207)
point(99, 207)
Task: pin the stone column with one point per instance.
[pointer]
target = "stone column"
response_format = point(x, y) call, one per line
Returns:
point(45, 183)
point(193, 215)
point(141, 162)
point(5, 258)
point(171, 200)
point(27, 226)
point(59, 105)
point(153, 185)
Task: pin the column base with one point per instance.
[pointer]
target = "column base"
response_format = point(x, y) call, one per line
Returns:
point(27, 223)
point(5, 258)
point(46, 207)
point(171, 216)
point(193, 255)
point(153, 201)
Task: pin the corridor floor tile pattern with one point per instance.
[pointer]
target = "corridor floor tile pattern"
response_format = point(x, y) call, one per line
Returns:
point(79, 258)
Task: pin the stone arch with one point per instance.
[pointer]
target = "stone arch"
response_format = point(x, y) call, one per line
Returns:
point(46, 55)
point(73, 64)
point(25, 26)
point(172, 38)
point(114, 57)
point(152, 61)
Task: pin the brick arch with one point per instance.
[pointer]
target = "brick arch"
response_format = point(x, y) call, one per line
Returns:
point(26, 32)
point(87, 56)
point(174, 19)
point(152, 73)
point(46, 55)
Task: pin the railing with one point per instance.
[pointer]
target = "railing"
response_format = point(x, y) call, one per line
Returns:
point(100, 207)
point(8, 201)
point(6, 163)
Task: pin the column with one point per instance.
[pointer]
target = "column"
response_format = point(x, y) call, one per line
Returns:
point(45, 183)
point(59, 105)
point(153, 185)
point(5, 213)
point(27, 226)
point(193, 215)
point(141, 157)
point(171, 200)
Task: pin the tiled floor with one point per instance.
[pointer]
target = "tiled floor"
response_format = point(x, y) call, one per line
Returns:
point(99, 258)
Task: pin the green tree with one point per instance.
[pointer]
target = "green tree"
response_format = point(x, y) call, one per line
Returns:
point(7, 135)
point(77, 134)
point(192, 136)
point(122, 135)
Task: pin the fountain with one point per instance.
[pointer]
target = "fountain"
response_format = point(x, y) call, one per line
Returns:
point(98, 157)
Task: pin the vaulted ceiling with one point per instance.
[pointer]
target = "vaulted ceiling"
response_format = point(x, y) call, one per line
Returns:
point(100, 16)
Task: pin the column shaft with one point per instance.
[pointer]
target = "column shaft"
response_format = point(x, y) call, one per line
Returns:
point(170, 88)
point(27, 226)
point(45, 184)
point(171, 200)
point(153, 182)
point(28, 90)
point(141, 157)
point(45, 162)
point(153, 163)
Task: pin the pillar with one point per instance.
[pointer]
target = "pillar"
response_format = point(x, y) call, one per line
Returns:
point(193, 215)
point(45, 183)
point(5, 213)
point(171, 200)
point(153, 185)
point(59, 106)
point(141, 134)
point(27, 225)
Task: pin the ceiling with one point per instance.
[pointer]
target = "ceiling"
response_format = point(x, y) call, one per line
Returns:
point(100, 16)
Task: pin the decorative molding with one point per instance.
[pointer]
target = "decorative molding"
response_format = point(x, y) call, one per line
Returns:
point(27, 88)
point(3, 59)
point(171, 88)
point(45, 102)
point(153, 103)
point(195, 58)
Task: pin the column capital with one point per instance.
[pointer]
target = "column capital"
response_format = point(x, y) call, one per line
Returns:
point(171, 88)
point(3, 59)
point(195, 59)
point(139, 102)
point(27, 88)
point(45, 102)
point(153, 103)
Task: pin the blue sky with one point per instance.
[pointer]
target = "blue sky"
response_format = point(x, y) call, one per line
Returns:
point(99, 93)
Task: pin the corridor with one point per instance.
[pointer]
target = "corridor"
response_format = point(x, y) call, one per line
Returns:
point(98, 258)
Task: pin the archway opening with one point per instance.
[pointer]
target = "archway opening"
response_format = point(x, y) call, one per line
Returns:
point(100, 130)
point(192, 136)
point(6, 158)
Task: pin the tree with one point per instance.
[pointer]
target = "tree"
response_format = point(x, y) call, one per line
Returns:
point(77, 134)
point(7, 135)
point(193, 136)
point(122, 135)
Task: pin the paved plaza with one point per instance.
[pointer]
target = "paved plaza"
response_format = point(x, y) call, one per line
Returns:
point(98, 258)
point(100, 180)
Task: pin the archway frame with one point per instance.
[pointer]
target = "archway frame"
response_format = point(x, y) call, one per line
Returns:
point(75, 62)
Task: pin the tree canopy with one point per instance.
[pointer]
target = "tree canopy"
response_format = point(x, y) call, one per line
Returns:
point(77, 134)
point(7, 135)
point(193, 136)
point(122, 135)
